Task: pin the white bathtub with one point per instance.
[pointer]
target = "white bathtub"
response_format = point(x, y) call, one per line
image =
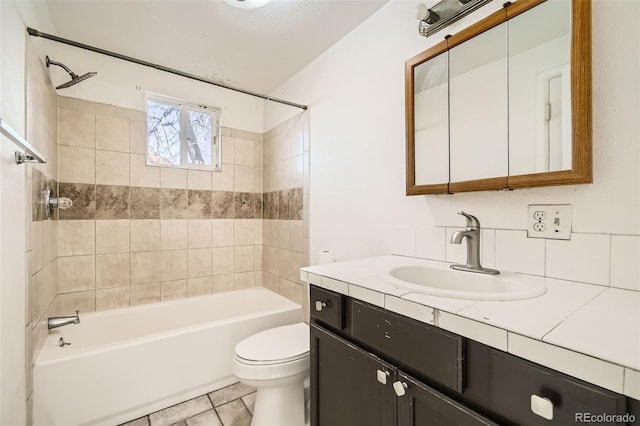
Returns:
point(125, 363)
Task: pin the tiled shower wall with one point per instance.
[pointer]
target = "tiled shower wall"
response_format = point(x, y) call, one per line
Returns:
point(140, 234)
point(286, 206)
point(42, 251)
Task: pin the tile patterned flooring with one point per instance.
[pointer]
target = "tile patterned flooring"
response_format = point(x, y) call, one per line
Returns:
point(230, 406)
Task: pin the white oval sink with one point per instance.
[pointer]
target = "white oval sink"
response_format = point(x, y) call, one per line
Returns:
point(446, 282)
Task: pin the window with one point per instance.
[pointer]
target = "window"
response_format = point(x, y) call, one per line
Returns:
point(182, 135)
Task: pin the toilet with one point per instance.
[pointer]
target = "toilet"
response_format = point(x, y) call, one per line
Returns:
point(276, 363)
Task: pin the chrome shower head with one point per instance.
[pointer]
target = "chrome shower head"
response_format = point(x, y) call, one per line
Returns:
point(75, 79)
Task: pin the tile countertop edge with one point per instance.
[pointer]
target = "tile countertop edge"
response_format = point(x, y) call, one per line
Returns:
point(607, 374)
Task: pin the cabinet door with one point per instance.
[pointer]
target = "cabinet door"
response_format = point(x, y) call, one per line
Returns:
point(420, 405)
point(346, 384)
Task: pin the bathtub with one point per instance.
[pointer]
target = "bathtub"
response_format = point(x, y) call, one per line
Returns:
point(126, 363)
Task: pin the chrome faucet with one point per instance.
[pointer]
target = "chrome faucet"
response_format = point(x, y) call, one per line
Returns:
point(472, 234)
point(55, 322)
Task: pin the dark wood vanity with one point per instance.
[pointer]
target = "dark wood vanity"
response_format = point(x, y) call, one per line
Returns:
point(370, 366)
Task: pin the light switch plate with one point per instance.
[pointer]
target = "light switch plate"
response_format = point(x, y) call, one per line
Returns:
point(551, 221)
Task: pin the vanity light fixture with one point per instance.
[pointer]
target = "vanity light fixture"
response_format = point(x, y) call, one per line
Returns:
point(247, 4)
point(443, 13)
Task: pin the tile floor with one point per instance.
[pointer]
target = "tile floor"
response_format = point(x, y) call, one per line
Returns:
point(230, 406)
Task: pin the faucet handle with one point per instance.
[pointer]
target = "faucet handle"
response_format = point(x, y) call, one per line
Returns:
point(472, 221)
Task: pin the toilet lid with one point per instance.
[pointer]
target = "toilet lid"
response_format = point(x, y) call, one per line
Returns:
point(276, 345)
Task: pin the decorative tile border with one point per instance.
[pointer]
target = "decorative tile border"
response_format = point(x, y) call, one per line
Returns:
point(111, 202)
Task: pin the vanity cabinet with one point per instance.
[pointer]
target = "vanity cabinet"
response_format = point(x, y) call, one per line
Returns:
point(370, 366)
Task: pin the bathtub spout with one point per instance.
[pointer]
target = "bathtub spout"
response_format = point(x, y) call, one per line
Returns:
point(55, 322)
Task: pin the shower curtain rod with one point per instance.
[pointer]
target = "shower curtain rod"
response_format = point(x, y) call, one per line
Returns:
point(36, 33)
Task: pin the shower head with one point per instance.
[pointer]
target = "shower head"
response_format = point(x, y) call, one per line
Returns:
point(75, 79)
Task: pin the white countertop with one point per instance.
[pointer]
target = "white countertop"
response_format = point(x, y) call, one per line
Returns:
point(587, 331)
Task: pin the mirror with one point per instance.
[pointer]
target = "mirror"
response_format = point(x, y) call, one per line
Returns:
point(518, 102)
point(431, 131)
point(540, 89)
point(478, 107)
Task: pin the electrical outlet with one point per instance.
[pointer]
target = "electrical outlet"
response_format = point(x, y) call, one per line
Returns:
point(551, 221)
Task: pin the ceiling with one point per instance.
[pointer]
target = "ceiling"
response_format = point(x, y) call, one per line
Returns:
point(254, 49)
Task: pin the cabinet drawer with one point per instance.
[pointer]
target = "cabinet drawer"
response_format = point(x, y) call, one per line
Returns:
point(519, 387)
point(326, 306)
point(417, 347)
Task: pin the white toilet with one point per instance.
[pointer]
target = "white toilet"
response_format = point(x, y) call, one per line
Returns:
point(276, 363)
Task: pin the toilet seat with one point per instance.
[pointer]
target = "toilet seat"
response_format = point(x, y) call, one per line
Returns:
point(278, 345)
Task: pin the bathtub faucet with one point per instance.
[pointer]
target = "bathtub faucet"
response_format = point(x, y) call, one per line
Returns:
point(55, 322)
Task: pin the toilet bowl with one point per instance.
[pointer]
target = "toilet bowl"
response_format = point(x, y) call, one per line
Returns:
point(276, 363)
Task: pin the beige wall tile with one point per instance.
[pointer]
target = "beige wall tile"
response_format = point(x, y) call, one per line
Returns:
point(200, 286)
point(243, 179)
point(171, 290)
point(112, 236)
point(112, 168)
point(86, 106)
point(222, 232)
point(199, 262)
point(75, 237)
point(223, 283)
point(244, 152)
point(228, 149)
point(296, 262)
point(83, 301)
point(199, 233)
point(145, 267)
point(223, 260)
point(283, 263)
point(283, 234)
point(173, 178)
point(258, 230)
point(112, 134)
point(258, 180)
point(258, 258)
point(173, 234)
point(198, 179)
point(145, 293)
point(76, 128)
point(258, 153)
point(112, 270)
point(258, 279)
point(243, 232)
point(297, 293)
point(284, 288)
point(270, 232)
point(282, 175)
point(224, 180)
point(76, 165)
point(141, 174)
point(131, 114)
point(307, 176)
point(145, 235)
point(296, 236)
point(296, 171)
point(244, 259)
point(270, 281)
point(112, 298)
point(76, 273)
point(138, 137)
point(244, 280)
point(173, 265)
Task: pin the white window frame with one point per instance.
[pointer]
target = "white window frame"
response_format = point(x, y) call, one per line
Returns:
point(216, 144)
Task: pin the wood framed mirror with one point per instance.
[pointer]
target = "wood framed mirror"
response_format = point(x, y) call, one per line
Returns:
point(502, 104)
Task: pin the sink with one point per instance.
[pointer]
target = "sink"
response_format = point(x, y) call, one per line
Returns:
point(446, 282)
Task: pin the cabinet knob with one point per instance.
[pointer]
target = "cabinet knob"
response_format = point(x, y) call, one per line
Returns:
point(400, 388)
point(321, 305)
point(542, 406)
point(382, 376)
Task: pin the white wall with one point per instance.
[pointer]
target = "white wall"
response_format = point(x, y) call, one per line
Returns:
point(15, 330)
point(124, 84)
point(356, 95)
